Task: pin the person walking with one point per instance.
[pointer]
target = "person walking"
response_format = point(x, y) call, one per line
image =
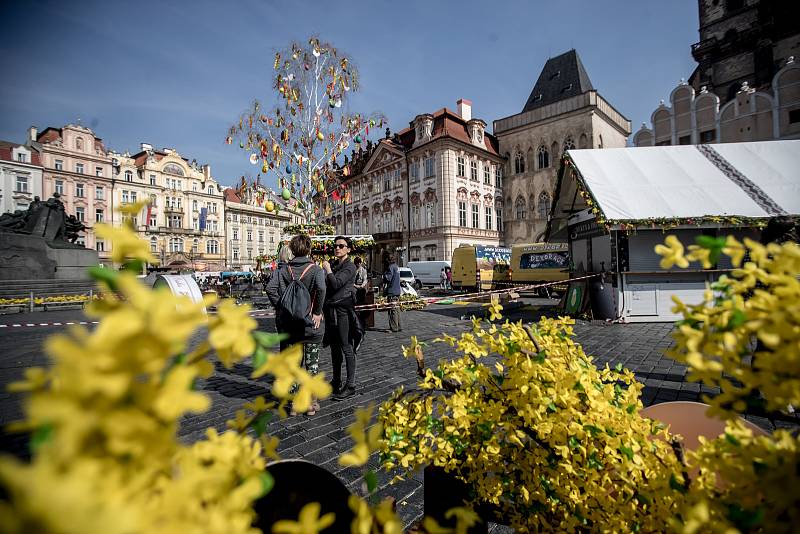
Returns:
point(298, 308)
point(392, 291)
point(449, 273)
point(443, 279)
point(360, 283)
point(339, 312)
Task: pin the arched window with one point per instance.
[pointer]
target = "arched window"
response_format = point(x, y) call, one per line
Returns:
point(176, 244)
point(544, 157)
point(519, 163)
point(195, 246)
point(128, 176)
point(153, 244)
point(582, 141)
point(543, 208)
point(521, 208)
point(569, 144)
point(212, 247)
point(210, 190)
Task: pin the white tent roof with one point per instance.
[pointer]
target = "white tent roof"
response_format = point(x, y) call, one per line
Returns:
point(732, 179)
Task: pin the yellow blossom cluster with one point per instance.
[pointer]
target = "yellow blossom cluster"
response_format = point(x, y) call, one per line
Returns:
point(49, 300)
point(104, 416)
point(528, 421)
point(744, 337)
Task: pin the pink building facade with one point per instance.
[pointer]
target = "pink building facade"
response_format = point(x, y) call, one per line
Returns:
point(78, 167)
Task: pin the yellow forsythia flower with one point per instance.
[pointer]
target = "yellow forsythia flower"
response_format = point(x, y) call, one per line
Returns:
point(309, 521)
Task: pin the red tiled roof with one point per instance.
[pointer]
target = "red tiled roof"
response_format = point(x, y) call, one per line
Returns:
point(449, 124)
point(141, 157)
point(48, 135)
point(7, 153)
point(231, 196)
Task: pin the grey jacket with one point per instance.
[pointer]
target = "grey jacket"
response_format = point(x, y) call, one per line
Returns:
point(314, 280)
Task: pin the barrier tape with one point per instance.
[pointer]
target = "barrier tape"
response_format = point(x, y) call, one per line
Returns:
point(468, 296)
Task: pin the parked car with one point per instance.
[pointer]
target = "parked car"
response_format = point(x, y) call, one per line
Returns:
point(407, 276)
point(428, 273)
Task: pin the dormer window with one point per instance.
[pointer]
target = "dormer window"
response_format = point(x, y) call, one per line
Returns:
point(476, 129)
point(537, 98)
point(566, 88)
point(555, 75)
point(424, 128)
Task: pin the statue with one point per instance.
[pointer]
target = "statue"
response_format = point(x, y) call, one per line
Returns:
point(44, 219)
point(41, 243)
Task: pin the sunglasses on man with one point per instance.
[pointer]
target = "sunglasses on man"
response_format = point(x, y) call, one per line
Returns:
point(340, 245)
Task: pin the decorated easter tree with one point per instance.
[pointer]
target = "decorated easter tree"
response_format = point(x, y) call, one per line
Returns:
point(299, 140)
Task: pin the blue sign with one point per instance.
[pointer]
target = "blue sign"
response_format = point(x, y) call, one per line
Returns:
point(203, 215)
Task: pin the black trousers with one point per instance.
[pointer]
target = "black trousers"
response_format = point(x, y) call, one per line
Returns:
point(341, 349)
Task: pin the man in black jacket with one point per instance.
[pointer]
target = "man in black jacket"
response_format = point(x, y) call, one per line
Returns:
point(307, 332)
point(339, 302)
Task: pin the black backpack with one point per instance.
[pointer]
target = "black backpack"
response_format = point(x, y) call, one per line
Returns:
point(296, 302)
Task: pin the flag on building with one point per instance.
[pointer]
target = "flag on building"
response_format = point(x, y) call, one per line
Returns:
point(203, 215)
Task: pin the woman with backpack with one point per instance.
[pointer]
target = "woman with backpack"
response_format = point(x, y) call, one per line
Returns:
point(297, 292)
point(340, 315)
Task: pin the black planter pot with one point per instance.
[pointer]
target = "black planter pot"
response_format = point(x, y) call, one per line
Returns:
point(298, 483)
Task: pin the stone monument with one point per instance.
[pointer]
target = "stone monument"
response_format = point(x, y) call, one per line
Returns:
point(40, 243)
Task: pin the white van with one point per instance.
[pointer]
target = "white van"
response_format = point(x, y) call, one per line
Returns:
point(428, 273)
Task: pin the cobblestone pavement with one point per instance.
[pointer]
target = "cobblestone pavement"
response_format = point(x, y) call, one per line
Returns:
point(381, 370)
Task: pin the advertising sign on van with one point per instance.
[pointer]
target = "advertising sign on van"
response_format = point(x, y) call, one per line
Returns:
point(489, 257)
point(545, 247)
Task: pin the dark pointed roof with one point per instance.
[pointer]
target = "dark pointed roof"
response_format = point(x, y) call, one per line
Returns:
point(562, 77)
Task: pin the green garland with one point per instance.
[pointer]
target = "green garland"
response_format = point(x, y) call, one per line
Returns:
point(310, 229)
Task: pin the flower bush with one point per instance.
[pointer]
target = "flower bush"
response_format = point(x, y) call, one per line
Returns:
point(104, 417)
point(744, 337)
point(524, 417)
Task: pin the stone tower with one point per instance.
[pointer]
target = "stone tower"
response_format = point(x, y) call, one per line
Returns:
point(563, 111)
point(743, 41)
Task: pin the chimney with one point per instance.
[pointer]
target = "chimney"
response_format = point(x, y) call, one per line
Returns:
point(32, 131)
point(146, 146)
point(465, 108)
point(207, 171)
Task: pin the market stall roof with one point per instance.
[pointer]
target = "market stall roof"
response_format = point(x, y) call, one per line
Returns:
point(738, 184)
point(732, 179)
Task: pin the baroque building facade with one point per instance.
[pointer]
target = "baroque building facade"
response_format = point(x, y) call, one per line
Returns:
point(564, 111)
point(250, 230)
point(426, 190)
point(20, 176)
point(746, 86)
point(77, 166)
point(184, 222)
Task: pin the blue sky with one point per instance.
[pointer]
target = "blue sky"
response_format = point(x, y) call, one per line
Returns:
point(177, 74)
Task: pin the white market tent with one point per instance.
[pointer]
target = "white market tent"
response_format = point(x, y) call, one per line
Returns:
point(735, 179)
point(614, 205)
